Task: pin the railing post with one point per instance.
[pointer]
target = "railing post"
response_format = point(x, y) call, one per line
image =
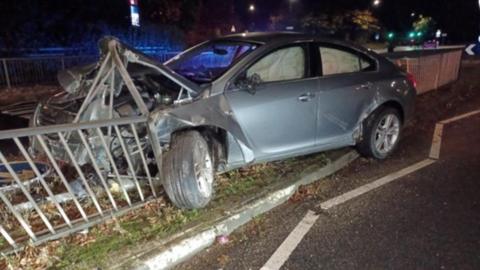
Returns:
point(5, 70)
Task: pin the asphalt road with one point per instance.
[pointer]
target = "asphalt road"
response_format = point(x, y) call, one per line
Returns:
point(429, 219)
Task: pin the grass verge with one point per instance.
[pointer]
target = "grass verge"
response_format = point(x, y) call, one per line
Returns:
point(104, 244)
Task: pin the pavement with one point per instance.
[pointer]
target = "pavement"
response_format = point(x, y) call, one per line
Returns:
point(417, 210)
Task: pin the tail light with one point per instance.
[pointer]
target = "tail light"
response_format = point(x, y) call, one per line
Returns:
point(412, 80)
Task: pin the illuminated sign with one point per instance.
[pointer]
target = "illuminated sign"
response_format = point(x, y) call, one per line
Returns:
point(135, 13)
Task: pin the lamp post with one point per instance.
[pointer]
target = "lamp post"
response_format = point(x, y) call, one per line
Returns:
point(290, 5)
point(251, 9)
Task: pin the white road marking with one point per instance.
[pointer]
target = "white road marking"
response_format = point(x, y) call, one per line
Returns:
point(375, 184)
point(460, 117)
point(280, 256)
point(436, 142)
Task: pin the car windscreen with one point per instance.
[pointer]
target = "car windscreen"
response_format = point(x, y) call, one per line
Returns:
point(209, 61)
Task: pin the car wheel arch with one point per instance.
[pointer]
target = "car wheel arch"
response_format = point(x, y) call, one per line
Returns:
point(216, 138)
point(357, 134)
point(396, 105)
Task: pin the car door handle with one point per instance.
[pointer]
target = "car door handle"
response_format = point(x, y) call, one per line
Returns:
point(306, 97)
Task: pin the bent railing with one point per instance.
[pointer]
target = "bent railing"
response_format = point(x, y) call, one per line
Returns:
point(55, 194)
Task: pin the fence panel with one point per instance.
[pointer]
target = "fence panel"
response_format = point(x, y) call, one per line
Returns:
point(68, 185)
point(433, 70)
point(3, 74)
point(43, 70)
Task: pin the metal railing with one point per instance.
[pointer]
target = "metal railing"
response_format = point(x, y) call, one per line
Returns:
point(71, 196)
point(76, 175)
point(43, 70)
point(38, 70)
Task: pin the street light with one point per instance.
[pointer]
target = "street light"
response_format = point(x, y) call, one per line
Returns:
point(376, 3)
point(251, 8)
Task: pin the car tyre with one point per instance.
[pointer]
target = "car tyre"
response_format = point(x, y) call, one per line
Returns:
point(188, 171)
point(382, 131)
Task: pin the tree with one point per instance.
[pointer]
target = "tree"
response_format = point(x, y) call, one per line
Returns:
point(365, 20)
point(325, 22)
point(424, 24)
point(213, 18)
point(170, 12)
point(347, 24)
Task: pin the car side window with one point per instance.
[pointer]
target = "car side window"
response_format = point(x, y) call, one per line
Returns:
point(338, 61)
point(280, 65)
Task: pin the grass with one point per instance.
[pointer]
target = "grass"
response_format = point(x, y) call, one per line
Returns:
point(108, 242)
point(3, 243)
point(247, 181)
point(117, 237)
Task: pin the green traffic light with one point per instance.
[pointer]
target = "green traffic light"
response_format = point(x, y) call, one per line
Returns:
point(419, 34)
point(411, 34)
point(390, 35)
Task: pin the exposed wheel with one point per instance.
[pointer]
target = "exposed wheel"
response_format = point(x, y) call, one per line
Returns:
point(188, 171)
point(381, 133)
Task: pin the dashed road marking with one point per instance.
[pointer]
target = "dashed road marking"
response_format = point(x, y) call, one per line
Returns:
point(375, 184)
point(280, 256)
point(460, 117)
point(436, 142)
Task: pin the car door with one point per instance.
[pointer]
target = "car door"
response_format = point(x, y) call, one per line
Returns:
point(345, 88)
point(279, 118)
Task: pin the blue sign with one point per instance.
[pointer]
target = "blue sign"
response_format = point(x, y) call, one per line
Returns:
point(135, 15)
point(473, 49)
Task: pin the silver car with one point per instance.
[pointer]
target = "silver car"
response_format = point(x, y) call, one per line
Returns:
point(255, 97)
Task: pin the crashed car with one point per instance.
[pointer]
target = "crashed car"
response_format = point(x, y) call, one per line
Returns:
point(239, 100)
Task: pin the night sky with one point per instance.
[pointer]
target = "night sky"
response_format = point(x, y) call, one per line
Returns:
point(57, 22)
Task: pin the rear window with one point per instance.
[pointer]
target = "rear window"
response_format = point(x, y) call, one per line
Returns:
point(343, 61)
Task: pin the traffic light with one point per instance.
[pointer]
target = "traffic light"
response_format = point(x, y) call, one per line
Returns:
point(390, 35)
point(419, 34)
point(411, 35)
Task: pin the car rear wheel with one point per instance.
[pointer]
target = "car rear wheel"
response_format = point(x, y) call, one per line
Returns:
point(381, 133)
point(188, 171)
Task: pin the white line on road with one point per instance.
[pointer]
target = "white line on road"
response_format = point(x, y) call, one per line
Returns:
point(436, 142)
point(460, 117)
point(376, 184)
point(281, 255)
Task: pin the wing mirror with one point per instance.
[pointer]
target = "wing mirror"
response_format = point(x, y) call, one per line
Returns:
point(250, 83)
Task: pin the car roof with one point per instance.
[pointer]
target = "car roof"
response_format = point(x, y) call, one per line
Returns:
point(266, 38)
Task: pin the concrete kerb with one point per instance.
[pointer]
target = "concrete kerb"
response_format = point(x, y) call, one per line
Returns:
point(185, 245)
